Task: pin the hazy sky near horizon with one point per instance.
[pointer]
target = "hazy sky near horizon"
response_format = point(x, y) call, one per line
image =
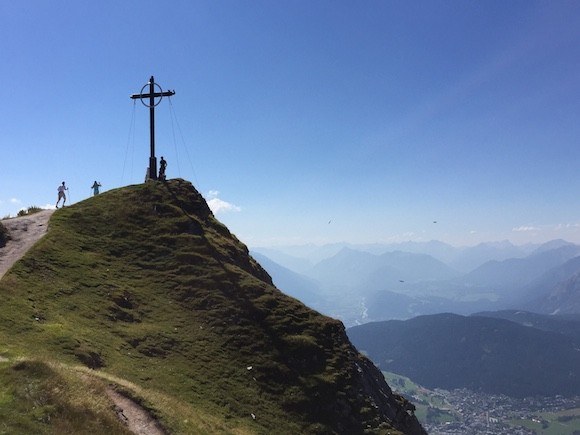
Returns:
point(306, 121)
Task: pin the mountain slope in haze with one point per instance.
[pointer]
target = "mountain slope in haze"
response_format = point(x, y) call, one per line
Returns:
point(434, 248)
point(347, 268)
point(543, 285)
point(364, 283)
point(556, 291)
point(371, 272)
point(478, 353)
point(565, 325)
point(462, 259)
point(410, 267)
point(516, 273)
point(293, 284)
point(146, 288)
point(551, 245)
point(290, 262)
point(563, 298)
point(472, 257)
point(299, 258)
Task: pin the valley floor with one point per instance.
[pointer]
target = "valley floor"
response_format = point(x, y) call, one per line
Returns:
point(462, 411)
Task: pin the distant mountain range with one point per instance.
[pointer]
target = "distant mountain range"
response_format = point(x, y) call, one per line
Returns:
point(293, 284)
point(367, 271)
point(487, 354)
point(362, 283)
point(518, 272)
point(463, 259)
point(514, 344)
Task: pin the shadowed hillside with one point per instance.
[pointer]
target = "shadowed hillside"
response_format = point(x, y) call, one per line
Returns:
point(147, 289)
point(479, 353)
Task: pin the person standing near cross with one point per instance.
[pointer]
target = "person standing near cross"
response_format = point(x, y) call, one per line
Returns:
point(162, 166)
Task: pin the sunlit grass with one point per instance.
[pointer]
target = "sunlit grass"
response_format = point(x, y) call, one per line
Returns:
point(37, 398)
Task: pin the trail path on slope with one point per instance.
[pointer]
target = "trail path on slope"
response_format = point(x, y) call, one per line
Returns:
point(137, 419)
point(24, 232)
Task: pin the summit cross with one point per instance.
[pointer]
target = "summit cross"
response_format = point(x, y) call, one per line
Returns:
point(152, 95)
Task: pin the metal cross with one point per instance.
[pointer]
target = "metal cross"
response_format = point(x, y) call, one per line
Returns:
point(152, 95)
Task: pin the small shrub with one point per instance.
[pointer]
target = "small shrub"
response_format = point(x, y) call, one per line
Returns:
point(34, 209)
point(4, 236)
point(30, 210)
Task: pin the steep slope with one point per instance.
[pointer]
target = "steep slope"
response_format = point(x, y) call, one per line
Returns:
point(147, 288)
point(482, 354)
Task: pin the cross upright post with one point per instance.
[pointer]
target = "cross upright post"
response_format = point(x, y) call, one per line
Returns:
point(151, 96)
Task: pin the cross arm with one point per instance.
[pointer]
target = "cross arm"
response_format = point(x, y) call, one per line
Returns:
point(154, 95)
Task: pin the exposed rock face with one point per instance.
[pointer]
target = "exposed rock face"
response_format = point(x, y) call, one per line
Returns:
point(392, 407)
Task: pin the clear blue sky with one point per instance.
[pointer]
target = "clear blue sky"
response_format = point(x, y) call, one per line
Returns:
point(306, 121)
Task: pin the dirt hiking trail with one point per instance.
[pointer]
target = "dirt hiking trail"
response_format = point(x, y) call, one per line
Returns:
point(133, 415)
point(24, 232)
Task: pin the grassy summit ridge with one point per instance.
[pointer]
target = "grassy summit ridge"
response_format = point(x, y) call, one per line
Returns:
point(143, 284)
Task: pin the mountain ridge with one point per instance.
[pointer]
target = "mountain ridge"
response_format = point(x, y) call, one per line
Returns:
point(143, 283)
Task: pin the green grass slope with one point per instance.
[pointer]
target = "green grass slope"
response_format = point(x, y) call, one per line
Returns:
point(147, 289)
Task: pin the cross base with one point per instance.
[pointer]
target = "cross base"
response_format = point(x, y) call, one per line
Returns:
point(153, 168)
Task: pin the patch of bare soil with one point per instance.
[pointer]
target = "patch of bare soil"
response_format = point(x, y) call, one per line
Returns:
point(137, 419)
point(24, 232)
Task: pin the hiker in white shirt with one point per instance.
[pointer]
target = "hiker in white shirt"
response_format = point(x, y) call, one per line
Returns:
point(61, 194)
